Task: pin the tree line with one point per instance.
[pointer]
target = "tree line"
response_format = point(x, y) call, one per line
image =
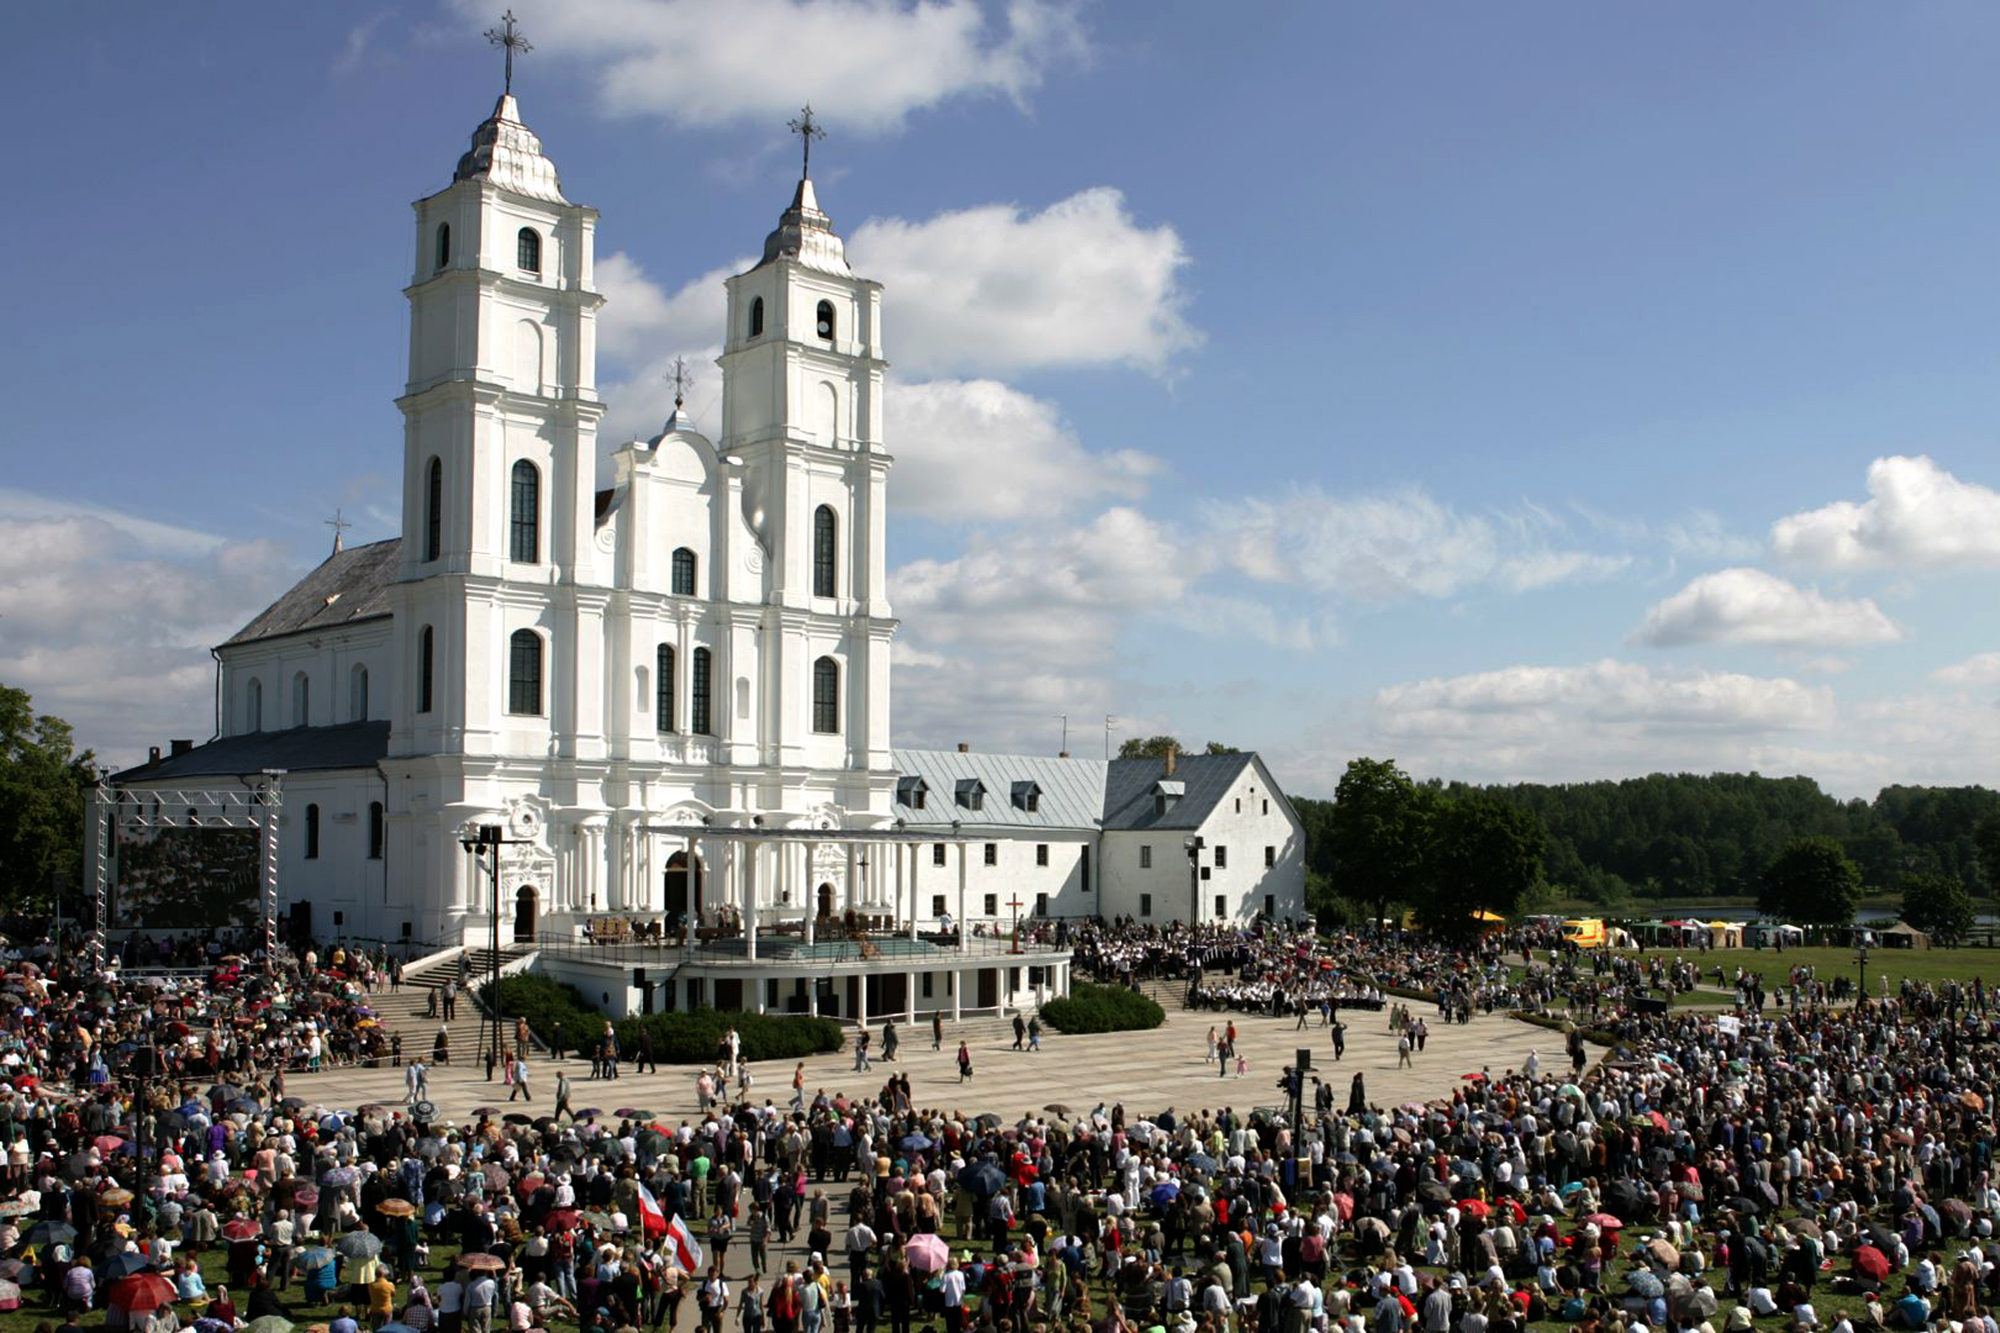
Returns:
point(1799, 852)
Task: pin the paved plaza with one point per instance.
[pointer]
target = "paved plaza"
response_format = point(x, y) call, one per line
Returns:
point(1148, 1071)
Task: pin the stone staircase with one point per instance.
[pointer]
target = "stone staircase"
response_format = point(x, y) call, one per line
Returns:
point(403, 1011)
point(1169, 995)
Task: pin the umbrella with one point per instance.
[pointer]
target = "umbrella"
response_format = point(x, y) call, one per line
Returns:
point(16, 1208)
point(1165, 1193)
point(108, 1143)
point(1604, 1221)
point(1748, 1207)
point(395, 1328)
point(50, 1233)
point(13, 1270)
point(115, 1198)
point(269, 1323)
point(340, 1176)
point(208, 1325)
point(1433, 1192)
point(495, 1176)
point(1972, 1101)
point(479, 1262)
point(486, 1110)
point(359, 1245)
point(226, 1091)
point(984, 1180)
point(305, 1196)
point(1645, 1283)
point(1659, 1121)
point(1805, 1226)
point(247, 1105)
point(1200, 1161)
point(988, 1121)
point(915, 1142)
point(1476, 1207)
point(517, 1118)
point(589, 1111)
point(1660, 1252)
point(10, 1296)
point(241, 1228)
point(562, 1219)
point(927, 1253)
point(632, 1113)
point(314, 1256)
point(425, 1110)
point(1056, 1108)
point(294, 1104)
point(1872, 1262)
point(142, 1291)
point(396, 1207)
point(1767, 1192)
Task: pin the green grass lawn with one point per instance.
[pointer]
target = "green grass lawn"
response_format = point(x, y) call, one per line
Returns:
point(1931, 965)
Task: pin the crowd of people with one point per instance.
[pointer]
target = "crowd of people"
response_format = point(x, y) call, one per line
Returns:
point(1799, 1167)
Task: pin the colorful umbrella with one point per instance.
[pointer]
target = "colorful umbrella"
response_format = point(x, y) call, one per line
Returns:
point(10, 1296)
point(141, 1292)
point(359, 1245)
point(927, 1253)
point(478, 1262)
point(241, 1228)
point(269, 1323)
point(396, 1207)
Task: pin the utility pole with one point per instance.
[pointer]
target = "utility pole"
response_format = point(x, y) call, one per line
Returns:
point(1065, 733)
point(490, 838)
point(1108, 720)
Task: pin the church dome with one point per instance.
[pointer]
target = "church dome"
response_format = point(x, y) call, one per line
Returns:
point(507, 153)
point(805, 235)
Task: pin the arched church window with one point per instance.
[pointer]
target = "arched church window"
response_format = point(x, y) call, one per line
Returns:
point(663, 704)
point(357, 694)
point(700, 723)
point(823, 321)
point(434, 509)
point(443, 244)
point(301, 700)
point(312, 833)
point(253, 706)
point(825, 533)
point(683, 575)
point(528, 251)
point(757, 317)
point(826, 695)
point(375, 822)
point(524, 673)
point(524, 530)
point(426, 659)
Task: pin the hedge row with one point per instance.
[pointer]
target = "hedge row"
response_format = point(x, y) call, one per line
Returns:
point(686, 1038)
point(1598, 1036)
point(1090, 1008)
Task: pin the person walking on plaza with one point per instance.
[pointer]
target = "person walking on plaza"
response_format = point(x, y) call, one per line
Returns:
point(799, 1086)
point(556, 1040)
point(861, 1051)
point(964, 1062)
point(1339, 1039)
point(889, 1040)
point(563, 1107)
point(937, 1029)
point(1035, 1033)
point(1020, 1031)
point(520, 1087)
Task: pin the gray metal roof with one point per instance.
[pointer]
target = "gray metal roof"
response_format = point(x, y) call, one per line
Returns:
point(349, 585)
point(1072, 790)
point(1128, 789)
point(298, 750)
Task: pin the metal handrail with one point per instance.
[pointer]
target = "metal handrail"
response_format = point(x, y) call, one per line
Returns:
point(777, 949)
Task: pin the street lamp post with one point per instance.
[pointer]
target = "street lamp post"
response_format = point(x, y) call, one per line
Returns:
point(1194, 843)
point(491, 838)
point(1861, 966)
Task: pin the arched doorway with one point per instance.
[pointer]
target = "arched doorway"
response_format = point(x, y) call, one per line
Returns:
point(825, 902)
point(683, 887)
point(524, 914)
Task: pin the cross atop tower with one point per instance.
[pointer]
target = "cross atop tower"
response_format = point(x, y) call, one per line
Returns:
point(807, 129)
point(681, 377)
point(508, 35)
point(339, 525)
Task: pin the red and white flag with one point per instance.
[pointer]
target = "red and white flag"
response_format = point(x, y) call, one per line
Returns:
point(650, 1215)
point(687, 1250)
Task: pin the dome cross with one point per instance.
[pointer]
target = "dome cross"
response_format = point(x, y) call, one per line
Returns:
point(508, 35)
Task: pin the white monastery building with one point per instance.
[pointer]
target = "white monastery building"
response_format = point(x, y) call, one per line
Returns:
point(674, 694)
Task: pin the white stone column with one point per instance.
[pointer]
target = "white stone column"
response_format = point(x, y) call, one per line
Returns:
point(853, 872)
point(910, 999)
point(812, 918)
point(915, 863)
point(752, 855)
point(964, 931)
point(956, 979)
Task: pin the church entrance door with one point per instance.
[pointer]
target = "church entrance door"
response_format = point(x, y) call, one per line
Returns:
point(524, 915)
point(683, 886)
point(825, 902)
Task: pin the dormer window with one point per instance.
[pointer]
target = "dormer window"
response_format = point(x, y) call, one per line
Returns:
point(1027, 796)
point(823, 321)
point(528, 250)
point(1166, 795)
point(912, 791)
point(971, 793)
point(757, 317)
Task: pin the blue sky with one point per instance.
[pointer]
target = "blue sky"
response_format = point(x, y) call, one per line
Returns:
point(1458, 382)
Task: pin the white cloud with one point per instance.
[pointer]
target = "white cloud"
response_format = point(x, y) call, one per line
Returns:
point(143, 534)
point(1750, 606)
point(1917, 516)
point(993, 289)
point(1983, 669)
point(1396, 544)
point(868, 63)
point(356, 47)
point(110, 628)
point(981, 449)
point(1025, 624)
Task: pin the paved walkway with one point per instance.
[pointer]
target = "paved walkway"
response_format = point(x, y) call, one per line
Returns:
point(1148, 1071)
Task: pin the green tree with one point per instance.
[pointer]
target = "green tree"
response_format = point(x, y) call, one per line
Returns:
point(1217, 747)
point(1811, 880)
point(1485, 855)
point(43, 785)
point(1938, 905)
point(1986, 839)
point(1153, 747)
point(1377, 832)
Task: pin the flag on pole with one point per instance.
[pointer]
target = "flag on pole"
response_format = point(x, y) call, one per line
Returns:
point(651, 1215)
point(687, 1251)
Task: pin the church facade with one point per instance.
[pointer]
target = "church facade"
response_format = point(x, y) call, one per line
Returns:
point(673, 694)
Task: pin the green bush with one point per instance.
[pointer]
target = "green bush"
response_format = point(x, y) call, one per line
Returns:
point(679, 1038)
point(1089, 1008)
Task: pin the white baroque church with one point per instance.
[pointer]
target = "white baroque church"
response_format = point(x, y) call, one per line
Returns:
point(673, 693)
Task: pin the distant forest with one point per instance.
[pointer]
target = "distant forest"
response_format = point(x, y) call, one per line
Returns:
point(1684, 835)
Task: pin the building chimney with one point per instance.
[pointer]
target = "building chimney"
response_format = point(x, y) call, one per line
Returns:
point(152, 755)
point(963, 748)
point(181, 746)
point(1173, 756)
